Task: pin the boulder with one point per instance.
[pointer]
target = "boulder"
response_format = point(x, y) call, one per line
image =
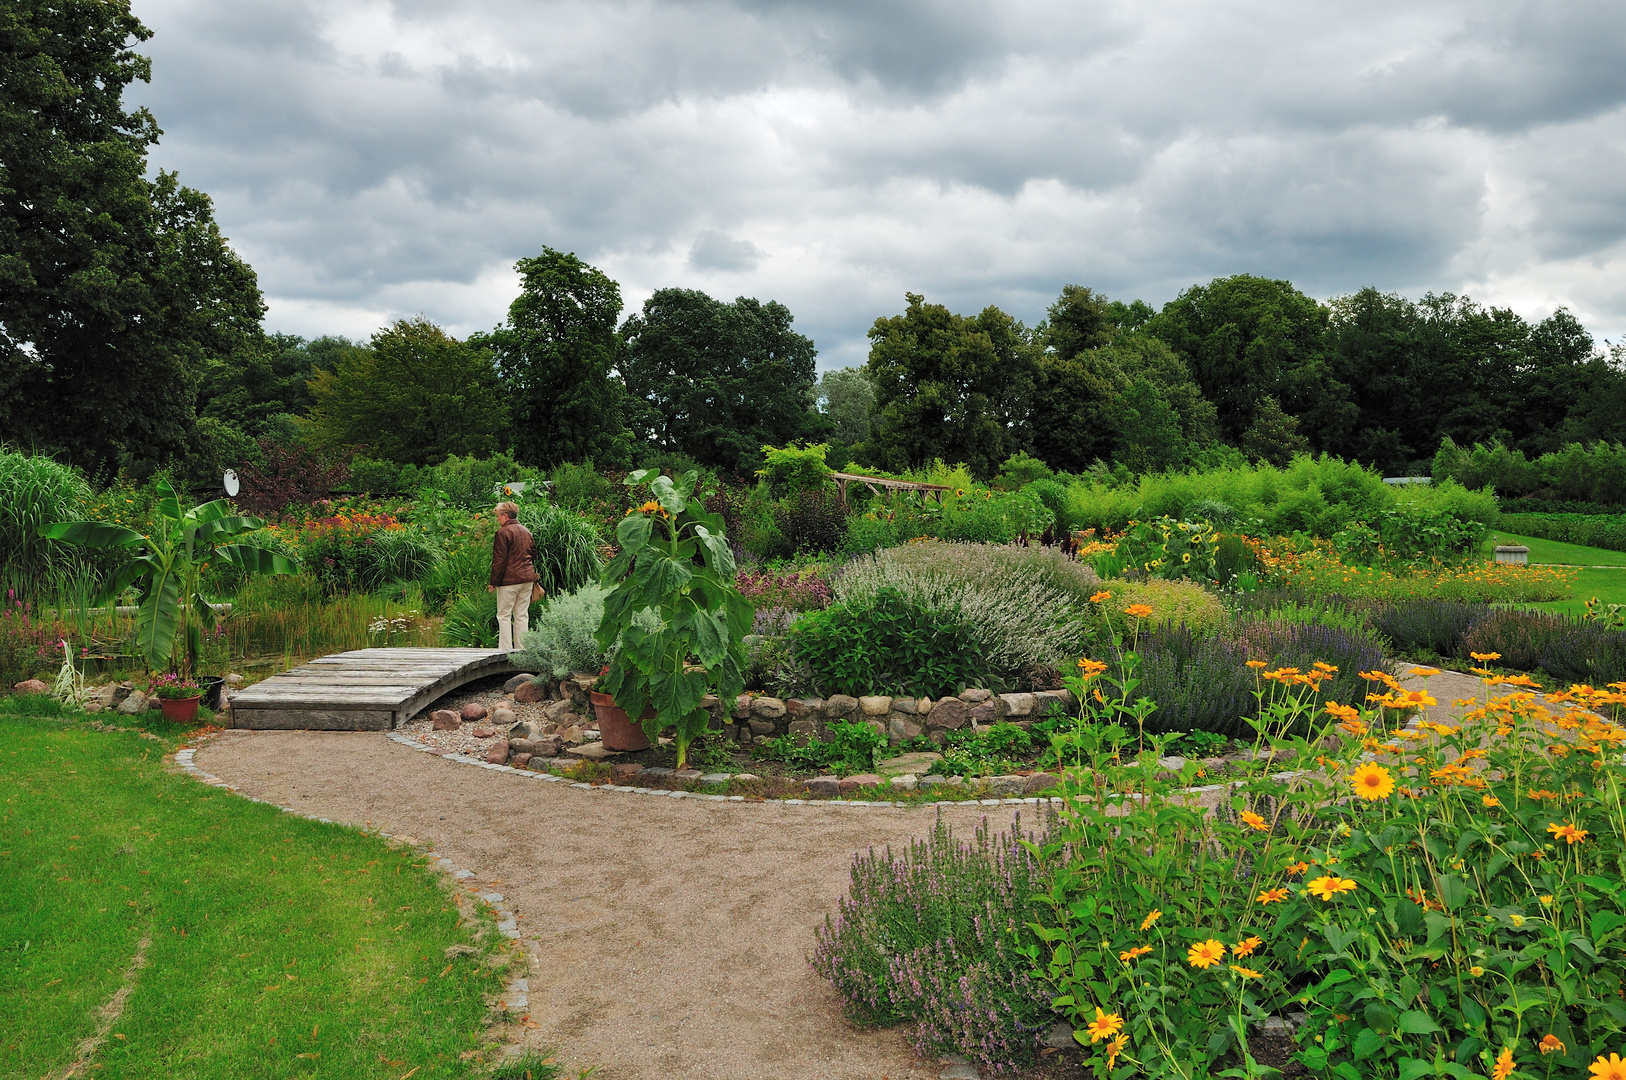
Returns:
point(1007, 786)
point(742, 706)
point(824, 785)
point(570, 736)
point(984, 713)
point(932, 780)
point(484, 731)
point(853, 783)
point(547, 746)
point(561, 712)
point(444, 720)
point(524, 729)
point(31, 686)
point(1034, 783)
point(521, 746)
point(687, 775)
point(530, 692)
point(473, 711)
point(770, 707)
point(949, 714)
point(135, 703)
point(975, 696)
point(840, 706)
point(1016, 704)
point(93, 706)
point(498, 754)
point(120, 692)
point(800, 706)
point(901, 728)
point(805, 730)
point(520, 761)
point(502, 716)
point(624, 770)
point(875, 705)
point(760, 726)
point(906, 782)
point(593, 751)
point(233, 679)
point(654, 773)
point(923, 706)
point(514, 684)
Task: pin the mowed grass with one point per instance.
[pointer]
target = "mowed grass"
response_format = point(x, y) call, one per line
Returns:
point(1554, 551)
point(276, 946)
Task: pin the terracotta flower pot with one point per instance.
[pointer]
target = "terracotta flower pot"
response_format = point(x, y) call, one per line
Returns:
point(180, 710)
point(615, 727)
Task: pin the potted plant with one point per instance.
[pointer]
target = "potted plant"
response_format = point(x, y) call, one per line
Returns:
point(674, 566)
point(615, 728)
point(177, 695)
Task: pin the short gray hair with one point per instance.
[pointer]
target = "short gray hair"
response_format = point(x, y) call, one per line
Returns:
point(511, 509)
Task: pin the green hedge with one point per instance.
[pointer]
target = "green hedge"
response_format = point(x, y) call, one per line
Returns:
point(1588, 530)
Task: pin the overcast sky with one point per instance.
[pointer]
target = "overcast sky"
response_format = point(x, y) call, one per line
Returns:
point(373, 160)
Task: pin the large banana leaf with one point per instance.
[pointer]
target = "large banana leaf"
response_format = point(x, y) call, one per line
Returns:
point(92, 534)
point(159, 614)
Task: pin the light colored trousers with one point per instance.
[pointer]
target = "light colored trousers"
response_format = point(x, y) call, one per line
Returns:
point(513, 615)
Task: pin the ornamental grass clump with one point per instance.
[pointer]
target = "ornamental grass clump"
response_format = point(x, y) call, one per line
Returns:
point(1438, 627)
point(933, 937)
point(1440, 897)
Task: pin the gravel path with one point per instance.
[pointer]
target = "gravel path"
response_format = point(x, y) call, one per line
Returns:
point(669, 937)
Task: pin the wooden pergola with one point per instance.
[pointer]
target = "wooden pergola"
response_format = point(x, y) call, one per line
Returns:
point(881, 485)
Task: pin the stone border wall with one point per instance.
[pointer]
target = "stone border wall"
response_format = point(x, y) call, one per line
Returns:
point(759, 717)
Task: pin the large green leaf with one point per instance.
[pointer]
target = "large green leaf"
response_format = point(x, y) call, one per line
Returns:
point(222, 527)
point(159, 615)
point(708, 638)
point(659, 576)
point(257, 560)
point(96, 534)
point(719, 556)
point(633, 533)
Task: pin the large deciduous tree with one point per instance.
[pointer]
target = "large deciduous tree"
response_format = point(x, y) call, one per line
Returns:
point(949, 386)
point(414, 395)
point(557, 355)
point(718, 381)
point(114, 289)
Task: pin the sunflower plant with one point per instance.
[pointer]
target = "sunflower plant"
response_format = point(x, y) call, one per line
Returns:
point(674, 565)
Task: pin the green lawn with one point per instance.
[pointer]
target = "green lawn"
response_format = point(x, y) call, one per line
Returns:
point(1553, 551)
point(275, 946)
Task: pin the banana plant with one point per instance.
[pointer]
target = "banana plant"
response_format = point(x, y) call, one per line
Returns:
point(675, 563)
point(165, 566)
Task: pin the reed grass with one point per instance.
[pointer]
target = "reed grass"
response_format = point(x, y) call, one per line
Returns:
point(35, 491)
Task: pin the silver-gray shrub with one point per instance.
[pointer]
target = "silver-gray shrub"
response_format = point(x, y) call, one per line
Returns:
point(560, 640)
point(1025, 605)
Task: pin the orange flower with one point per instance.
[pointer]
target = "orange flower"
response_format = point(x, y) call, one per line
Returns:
point(1491, 800)
point(1298, 867)
point(1104, 1026)
point(1273, 896)
point(1329, 885)
point(1114, 1048)
point(1372, 782)
point(1504, 1064)
point(1138, 611)
point(1246, 946)
point(1612, 1068)
point(1091, 668)
point(1246, 972)
point(1551, 1044)
point(1205, 954)
point(1419, 698)
point(1568, 833)
point(1100, 596)
point(1256, 664)
point(1254, 821)
point(1482, 657)
point(1342, 712)
point(1146, 923)
point(1129, 956)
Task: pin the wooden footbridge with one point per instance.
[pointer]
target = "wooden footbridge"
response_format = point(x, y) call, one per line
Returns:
point(365, 690)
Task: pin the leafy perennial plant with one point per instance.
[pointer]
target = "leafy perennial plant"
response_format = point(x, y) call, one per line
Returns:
point(1439, 899)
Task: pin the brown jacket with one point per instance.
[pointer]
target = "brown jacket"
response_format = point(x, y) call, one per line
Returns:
point(511, 555)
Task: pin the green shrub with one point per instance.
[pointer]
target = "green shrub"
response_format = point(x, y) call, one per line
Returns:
point(1588, 530)
point(988, 751)
point(477, 483)
point(1199, 681)
point(887, 643)
point(567, 547)
point(1589, 653)
point(578, 486)
point(560, 640)
point(1437, 627)
point(471, 621)
point(810, 522)
point(1021, 605)
point(34, 492)
point(793, 469)
point(1020, 470)
point(868, 533)
point(1171, 602)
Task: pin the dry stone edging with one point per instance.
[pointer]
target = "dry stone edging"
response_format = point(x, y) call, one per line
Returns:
point(515, 994)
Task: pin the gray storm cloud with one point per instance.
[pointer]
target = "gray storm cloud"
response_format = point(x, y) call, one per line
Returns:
point(377, 159)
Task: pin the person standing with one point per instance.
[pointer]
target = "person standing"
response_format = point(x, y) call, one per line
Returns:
point(512, 576)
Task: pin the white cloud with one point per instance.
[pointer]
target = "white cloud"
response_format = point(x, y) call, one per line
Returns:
point(376, 159)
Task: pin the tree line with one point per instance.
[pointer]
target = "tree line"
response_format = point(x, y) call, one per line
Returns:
point(131, 338)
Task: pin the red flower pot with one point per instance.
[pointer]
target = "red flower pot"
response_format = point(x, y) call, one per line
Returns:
point(615, 727)
point(180, 710)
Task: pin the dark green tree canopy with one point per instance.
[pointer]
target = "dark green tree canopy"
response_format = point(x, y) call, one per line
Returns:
point(115, 290)
point(847, 399)
point(557, 355)
point(949, 386)
point(719, 381)
point(413, 395)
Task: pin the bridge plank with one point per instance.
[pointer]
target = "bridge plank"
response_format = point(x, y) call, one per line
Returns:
point(363, 690)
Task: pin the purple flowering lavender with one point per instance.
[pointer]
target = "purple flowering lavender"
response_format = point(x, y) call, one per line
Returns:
point(795, 590)
point(931, 937)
